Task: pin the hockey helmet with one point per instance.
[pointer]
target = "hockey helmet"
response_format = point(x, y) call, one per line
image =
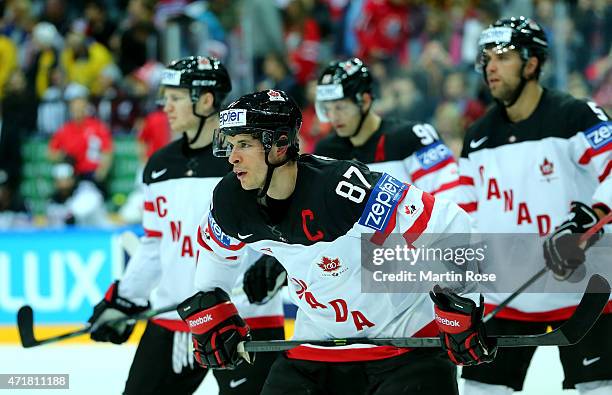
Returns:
point(521, 34)
point(347, 79)
point(271, 116)
point(198, 74)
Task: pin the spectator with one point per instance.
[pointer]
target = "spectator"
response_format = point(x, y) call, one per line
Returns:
point(13, 211)
point(457, 93)
point(8, 61)
point(84, 138)
point(279, 77)
point(55, 12)
point(137, 39)
point(74, 202)
point(383, 29)
point(97, 23)
point(45, 58)
point(302, 40)
point(84, 61)
point(18, 121)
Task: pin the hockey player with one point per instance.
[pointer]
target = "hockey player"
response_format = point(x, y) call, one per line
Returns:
point(178, 178)
point(409, 151)
point(535, 154)
point(305, 211)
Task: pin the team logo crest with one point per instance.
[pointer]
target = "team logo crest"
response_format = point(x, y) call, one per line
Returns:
point(331, 267)
point(547, 168)
point(275, 95)
point(204, 64)
point(411, 210)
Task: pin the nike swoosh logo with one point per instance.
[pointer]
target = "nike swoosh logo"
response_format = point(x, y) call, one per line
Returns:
point(587, 362)
point(478, 143)
point(242, 237)
point(236, 383)
point(157, 174)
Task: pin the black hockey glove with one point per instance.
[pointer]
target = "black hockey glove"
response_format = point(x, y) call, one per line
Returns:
point(462, 331)
point(216, 329)
point(562, 251)
point(264, 279)
point(112, 307)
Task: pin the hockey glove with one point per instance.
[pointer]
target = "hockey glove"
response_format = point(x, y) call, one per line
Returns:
point(562, 250)
point(216, 329)
point(112, 307)
point(462, 331)
point(264, 279)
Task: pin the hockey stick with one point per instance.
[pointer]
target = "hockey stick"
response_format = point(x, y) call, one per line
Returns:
point(570, 332)
point(584, 238)
point(25, 324)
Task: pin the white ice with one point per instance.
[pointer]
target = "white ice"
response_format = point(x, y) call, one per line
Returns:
point(102, 369)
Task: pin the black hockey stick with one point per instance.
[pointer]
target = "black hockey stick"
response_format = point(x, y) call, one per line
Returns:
point(570, 332)
point(585, 237)
point(25, 324)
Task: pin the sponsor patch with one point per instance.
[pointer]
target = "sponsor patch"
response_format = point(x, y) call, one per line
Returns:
point(171, 77)
point(384, 197)
point(217, 233)
point(433, 154)
point(495, 35)
point(330, 92)
point(230, 118)
point(599, 135)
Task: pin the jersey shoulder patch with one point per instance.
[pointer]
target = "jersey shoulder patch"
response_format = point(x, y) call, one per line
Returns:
point(382, 202)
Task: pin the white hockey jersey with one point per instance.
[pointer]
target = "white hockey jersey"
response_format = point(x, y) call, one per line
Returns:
point(317, 239)
point(409, 151)
point(178, 184)
point(521, 177)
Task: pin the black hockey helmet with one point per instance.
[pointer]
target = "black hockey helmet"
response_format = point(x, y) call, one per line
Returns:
point(271, 115)
point(347, 79)
point(198, 74)
point(521, 34)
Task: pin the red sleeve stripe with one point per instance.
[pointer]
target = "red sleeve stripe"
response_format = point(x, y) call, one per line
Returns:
point(379, 237)
point(606, 172)
point(152, 233)
point(450, 185)
point(267, 321)
point(229, 247)
point(423, 172)
point(591, 152)
point(419, 226)
point(201, 241)
point(149, 206)
point(469, 207)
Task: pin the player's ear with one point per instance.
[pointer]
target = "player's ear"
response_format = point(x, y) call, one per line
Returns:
point(531, 68)
point(206, 101)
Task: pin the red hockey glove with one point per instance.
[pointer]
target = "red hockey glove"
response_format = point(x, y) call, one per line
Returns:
point(264, 279)
point(112, 307)
point(216, 329)
point(461, 328)
point(562, 250)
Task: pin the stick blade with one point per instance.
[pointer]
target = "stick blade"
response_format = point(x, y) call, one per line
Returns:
point(588, 311)
point(25, 324)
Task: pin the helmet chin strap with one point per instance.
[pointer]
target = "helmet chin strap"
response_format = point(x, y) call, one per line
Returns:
point(203, 119)
point(364, 114)
point(271, 168)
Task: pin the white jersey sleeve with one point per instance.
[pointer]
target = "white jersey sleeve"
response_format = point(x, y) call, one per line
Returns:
point(144, 268)
point(220, 258)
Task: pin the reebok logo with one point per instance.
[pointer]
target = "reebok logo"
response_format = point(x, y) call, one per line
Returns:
point(200, 320)
point(447, 322)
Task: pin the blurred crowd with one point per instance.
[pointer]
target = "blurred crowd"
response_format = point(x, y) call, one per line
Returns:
point(80, 73)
